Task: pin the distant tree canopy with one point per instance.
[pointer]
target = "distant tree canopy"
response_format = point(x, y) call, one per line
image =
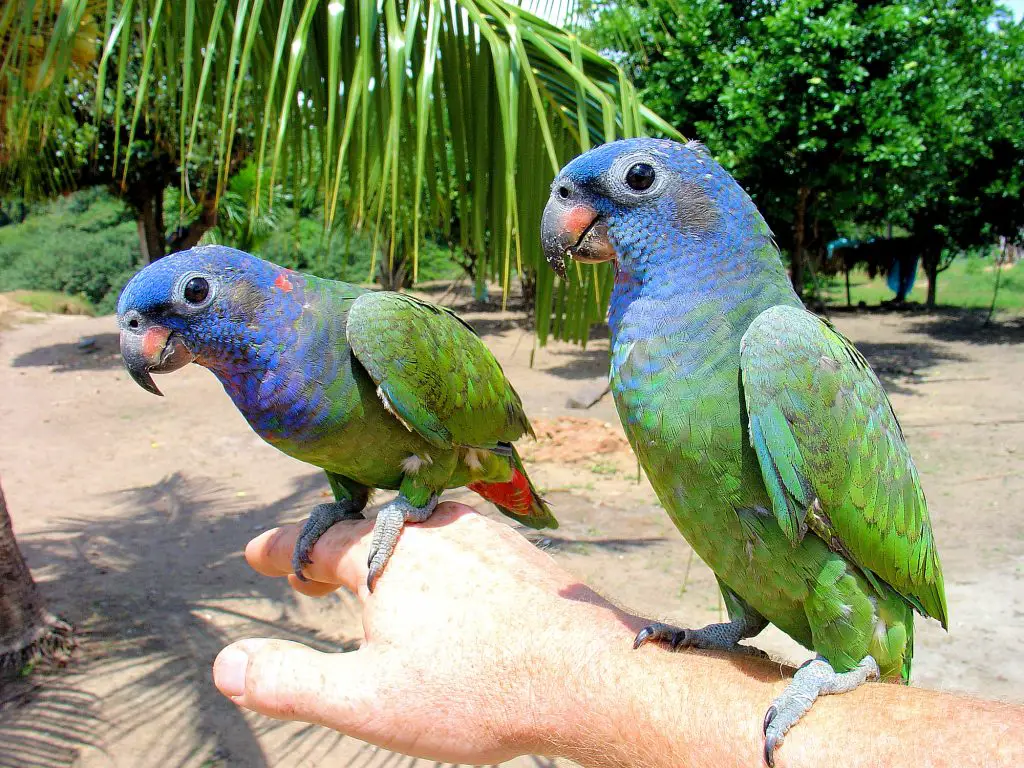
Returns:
point(842, 115)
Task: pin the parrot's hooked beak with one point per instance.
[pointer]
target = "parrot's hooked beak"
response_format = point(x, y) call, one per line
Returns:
point(148, 347)
point(575, 230)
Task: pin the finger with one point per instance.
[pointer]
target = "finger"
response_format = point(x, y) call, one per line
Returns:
point(339, 557)
point(290, 681)
point(311, 588)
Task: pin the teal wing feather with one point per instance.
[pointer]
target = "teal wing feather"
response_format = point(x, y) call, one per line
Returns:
point(434, 373)
point(833, 456)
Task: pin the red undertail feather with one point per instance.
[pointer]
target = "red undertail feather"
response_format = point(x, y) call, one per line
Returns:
point(517, 498)
point(514, 495)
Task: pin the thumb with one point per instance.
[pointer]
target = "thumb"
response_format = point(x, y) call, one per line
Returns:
point(290, 681)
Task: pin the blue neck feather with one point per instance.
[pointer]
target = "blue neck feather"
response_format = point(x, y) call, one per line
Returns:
point(274, 366)
point(702, 290)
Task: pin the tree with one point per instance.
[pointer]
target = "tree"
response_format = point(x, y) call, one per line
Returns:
point(962, 75)
point(27, 629)
point(408, 116)
point(837, 113)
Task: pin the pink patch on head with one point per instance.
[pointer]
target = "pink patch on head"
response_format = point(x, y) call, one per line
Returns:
point(282, 283)
point(154, 341)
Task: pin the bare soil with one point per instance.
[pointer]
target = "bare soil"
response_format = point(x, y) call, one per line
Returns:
point(133, 511)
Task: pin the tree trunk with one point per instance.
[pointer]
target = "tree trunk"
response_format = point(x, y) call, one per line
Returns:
point(28, 630)
point(1000, 260)
point(151, 227)
point(931, 269)
point(797, 271)
point(184, 238)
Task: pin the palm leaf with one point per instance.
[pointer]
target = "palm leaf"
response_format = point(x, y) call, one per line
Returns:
point(412, 117)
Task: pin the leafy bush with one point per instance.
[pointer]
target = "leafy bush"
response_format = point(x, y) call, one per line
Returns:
point(87, 245)
point(300, 244)
point(82, 245)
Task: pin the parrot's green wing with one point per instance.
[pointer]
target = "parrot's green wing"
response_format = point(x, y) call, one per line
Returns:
point(833, 455)
point(434, 373)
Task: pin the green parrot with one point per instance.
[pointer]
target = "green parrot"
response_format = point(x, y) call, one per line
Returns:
point(379, 389)
point(764, 432)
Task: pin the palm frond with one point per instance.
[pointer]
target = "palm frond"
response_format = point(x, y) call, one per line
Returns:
point(446, 118)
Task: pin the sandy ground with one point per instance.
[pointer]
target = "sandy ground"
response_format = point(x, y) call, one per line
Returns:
point(132, 512)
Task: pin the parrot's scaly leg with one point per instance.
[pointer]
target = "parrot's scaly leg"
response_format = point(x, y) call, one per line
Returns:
point(713, 637)
point(387, 528)
point(815, 678)
point(320, 519)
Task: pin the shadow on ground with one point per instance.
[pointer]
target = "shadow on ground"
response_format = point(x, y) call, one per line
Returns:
point(581, 364)
point(952, 324)
point(93, 353)
point(619, 545)
point(142, 589)
point(969, 327)
point(901, 363)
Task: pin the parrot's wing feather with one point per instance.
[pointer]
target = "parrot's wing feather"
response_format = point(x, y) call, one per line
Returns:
point(832, 453)
point(434, 373)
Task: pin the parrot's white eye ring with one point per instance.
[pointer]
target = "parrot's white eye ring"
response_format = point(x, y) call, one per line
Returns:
point(195, 290)
point(637, 176)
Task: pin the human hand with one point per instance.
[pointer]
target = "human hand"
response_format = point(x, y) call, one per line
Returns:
point(479, 648)
point(472, 635)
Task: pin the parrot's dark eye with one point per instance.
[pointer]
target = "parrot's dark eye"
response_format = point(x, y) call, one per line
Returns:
point(196, 290)
point(640, 177)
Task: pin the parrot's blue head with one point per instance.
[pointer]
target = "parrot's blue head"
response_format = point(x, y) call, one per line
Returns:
point(646, 203)
point(207, 304)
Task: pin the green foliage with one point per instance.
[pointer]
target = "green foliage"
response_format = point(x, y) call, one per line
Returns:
point(83, 245)
point(300, 242)
point(842, 115)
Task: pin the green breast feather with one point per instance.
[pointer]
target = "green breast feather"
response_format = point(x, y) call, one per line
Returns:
point(833, 456)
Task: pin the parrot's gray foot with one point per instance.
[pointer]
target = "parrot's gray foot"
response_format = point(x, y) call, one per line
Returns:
point(713, 637)
point(815, 678)
point(386, 530)
point(320, 519)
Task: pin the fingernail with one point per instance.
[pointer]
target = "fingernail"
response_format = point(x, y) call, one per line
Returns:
point(229, 671)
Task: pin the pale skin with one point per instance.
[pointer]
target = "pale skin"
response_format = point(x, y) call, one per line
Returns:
point(480, 647)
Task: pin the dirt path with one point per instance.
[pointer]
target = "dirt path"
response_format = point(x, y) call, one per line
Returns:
point(133, 512)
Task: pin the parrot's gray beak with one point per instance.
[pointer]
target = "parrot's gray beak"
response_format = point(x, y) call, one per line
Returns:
point(572, 229)
point(148, 348)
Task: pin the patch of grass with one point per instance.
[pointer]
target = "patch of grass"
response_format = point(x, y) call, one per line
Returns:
point(53, 302)
point(604, 468)
point(968, 283)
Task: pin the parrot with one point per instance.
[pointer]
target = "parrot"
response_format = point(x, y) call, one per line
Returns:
point(764, 432)
point(379, 389)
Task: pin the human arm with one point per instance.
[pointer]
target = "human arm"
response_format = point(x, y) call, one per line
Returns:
point(479, 647)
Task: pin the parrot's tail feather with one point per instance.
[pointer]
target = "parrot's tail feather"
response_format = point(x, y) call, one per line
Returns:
point(908, 653)
point(517, 497)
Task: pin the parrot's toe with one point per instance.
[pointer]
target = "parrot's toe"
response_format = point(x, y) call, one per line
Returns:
point(387, 528)
point(320, 519)
point(815, 678)
point(674, 637)
point(715, 637)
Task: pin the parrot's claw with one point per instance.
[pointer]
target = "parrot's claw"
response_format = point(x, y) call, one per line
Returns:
point(320, 519)
point(674, 637)
point(714, 637)
point(815, 678)
point(387, 528)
